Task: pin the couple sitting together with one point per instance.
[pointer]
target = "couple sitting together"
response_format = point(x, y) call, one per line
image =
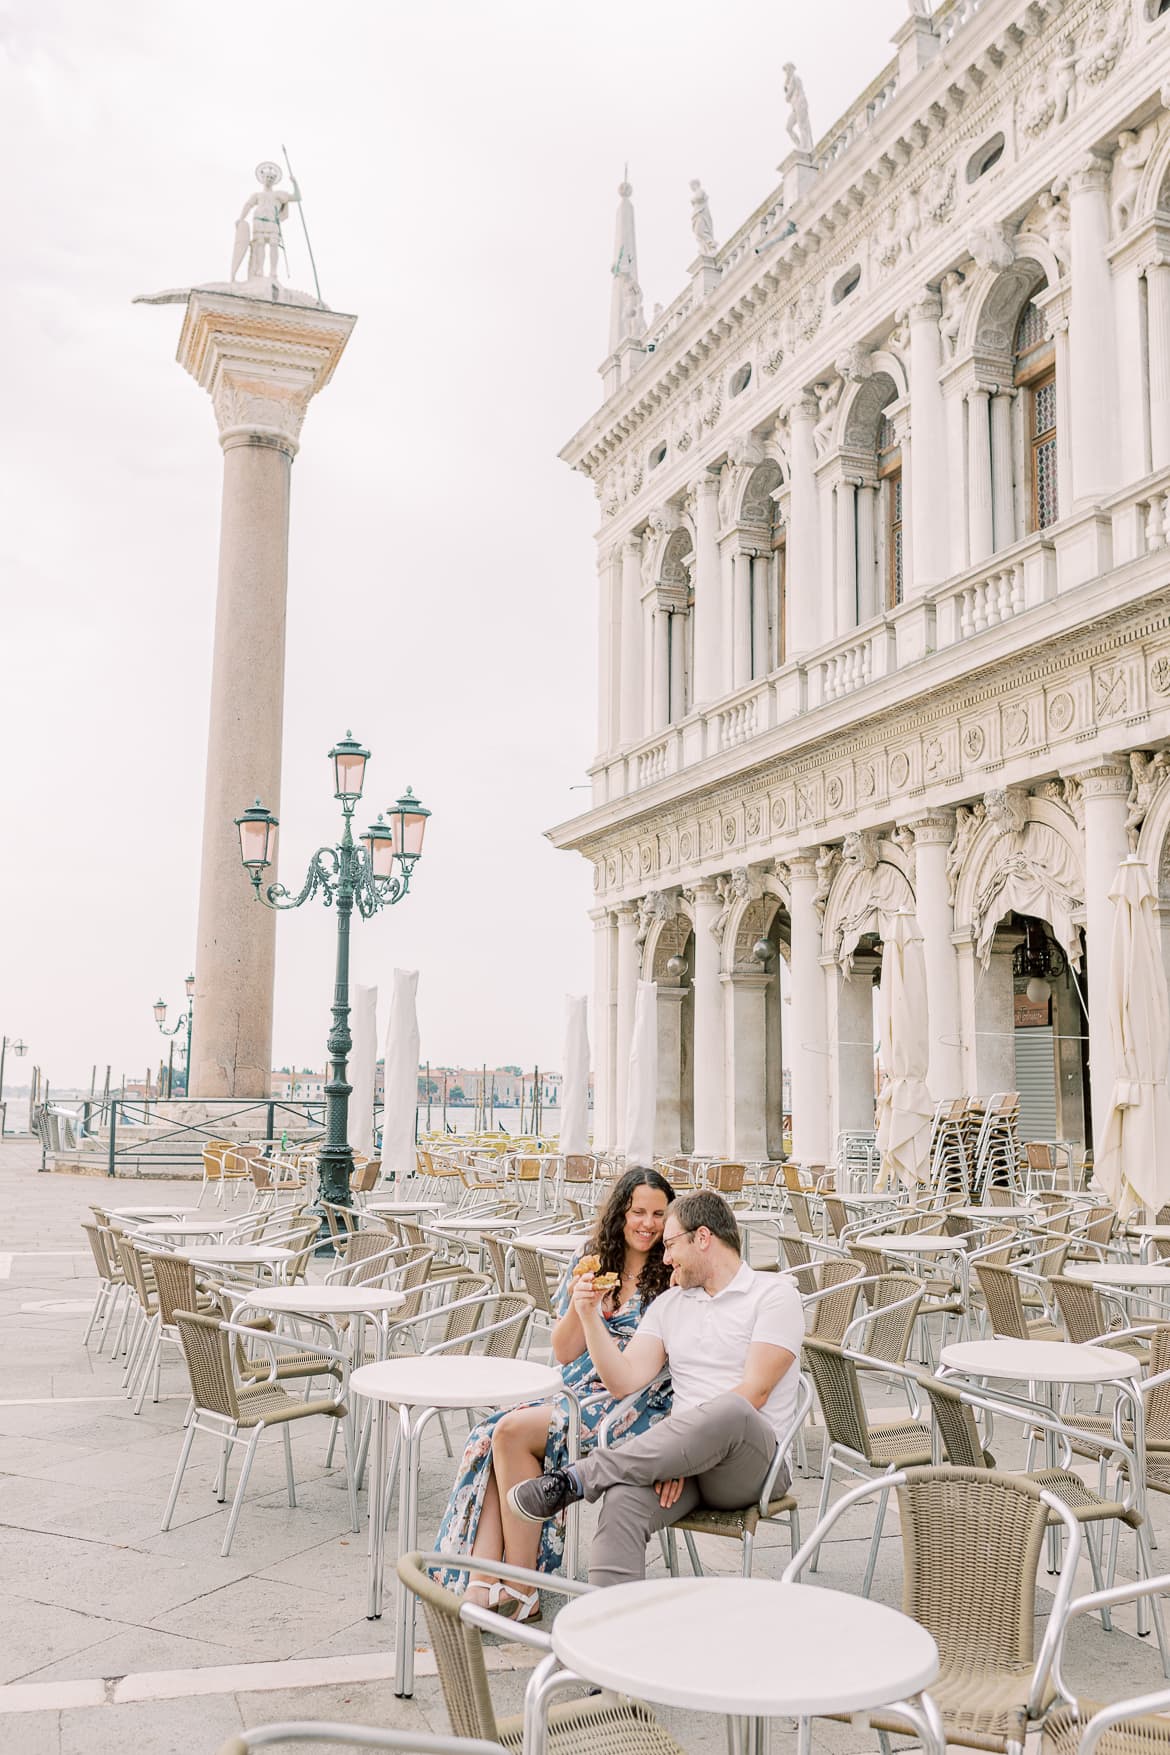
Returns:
point(684, 1299)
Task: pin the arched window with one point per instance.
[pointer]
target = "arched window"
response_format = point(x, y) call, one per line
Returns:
point(890, 488)
point(1035, 376)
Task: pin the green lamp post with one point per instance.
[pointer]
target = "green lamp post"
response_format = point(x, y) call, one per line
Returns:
point(372, 873)
point(184, 1023)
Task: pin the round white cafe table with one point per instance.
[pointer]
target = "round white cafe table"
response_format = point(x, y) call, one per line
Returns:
point(253, 1255)
point(1148, 1236)
point(160, 1229)
point(471, 1224)
point(554, 1242)
point(1140, 1274)
point(745, 1647)
point(429, 1384)
point(150, 1212)
point(914, 1243)
point(400, 1208)
point(868, 1198)
point(996, 1215)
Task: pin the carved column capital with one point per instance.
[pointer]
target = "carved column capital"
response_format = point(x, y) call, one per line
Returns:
point(1108, 777)
point(626, 913)
point(803, 864)
point(706, 486)
point(935, 830)
point(632, 549)
point(926, 307)
point(1091, 175)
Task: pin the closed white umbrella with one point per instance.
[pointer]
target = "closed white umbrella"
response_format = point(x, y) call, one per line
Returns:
point(401, 1095)
point(575, 1085)
point(363, 1061)
point(904, 1107)
point(1134, 1165)
point(642, 1082)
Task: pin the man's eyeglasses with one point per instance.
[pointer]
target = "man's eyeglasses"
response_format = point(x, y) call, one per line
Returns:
point(669, 1242)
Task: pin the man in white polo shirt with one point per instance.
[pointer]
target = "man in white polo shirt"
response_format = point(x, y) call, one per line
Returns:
point(731, 1338)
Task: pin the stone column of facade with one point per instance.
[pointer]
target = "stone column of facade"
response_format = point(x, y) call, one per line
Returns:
point(1106, 790)
point(631, 710)
point(808, 1055)
point(869, 595)
point(1158, 330)
point(708, 680)
point(261, 363)
point(747, 1067)
point(677, 667)
point(668, 1115)
point(936, 917)
point(609, 630)
point(982, 539)
point(1092, 354)
point(628, 964)
point(846, 583)
point(804, 584)
point(927, 528)
point(741, 619)
point(1003, 509)
point(761, 643)
point(956, 544)
point(604, 1045)
point(660, 686)
point(710, 1132)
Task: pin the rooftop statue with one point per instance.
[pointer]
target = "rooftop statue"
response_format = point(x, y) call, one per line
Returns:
point(268, 206)
point(701, 223)
point(799, 125)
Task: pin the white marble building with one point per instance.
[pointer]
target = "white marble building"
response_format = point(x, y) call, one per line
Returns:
point(884, 544)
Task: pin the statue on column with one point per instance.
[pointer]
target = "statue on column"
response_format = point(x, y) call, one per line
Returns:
point(268, 206)
point(799, 126)
point(701, 221)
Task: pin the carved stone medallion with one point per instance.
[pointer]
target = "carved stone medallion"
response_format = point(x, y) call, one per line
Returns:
point(1061, 709)
point(899, 769)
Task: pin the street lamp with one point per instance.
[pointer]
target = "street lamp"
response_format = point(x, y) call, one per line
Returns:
point(374, 873)
point(20, 1049)
point(184, 1023)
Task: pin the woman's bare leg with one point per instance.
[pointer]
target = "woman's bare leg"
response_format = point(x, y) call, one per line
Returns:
point(518, 1445)
point(489, 1534)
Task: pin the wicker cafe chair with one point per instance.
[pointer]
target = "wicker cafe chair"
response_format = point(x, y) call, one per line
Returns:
point(972, 1540)
point(770, 1507)
point(111, 1281)
point(239, 1413)
point(1004, 1298)
point(354, 1737)
point(1088, 1322)
point(602, 1724)
point(1127, 1727)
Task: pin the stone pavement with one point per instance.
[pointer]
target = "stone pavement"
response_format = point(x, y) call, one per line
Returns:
point(114, 1636)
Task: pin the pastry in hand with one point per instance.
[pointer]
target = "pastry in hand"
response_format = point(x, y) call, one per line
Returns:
point(604, 1282)
point(588, 1264)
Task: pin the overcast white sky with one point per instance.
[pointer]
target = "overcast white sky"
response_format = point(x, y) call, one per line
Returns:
point(459, 161)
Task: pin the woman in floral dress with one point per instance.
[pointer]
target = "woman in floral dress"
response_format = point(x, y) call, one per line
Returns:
point(513, 1446)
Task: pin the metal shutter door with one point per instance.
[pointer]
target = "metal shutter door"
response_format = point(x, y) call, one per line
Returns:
point(1036, 1083)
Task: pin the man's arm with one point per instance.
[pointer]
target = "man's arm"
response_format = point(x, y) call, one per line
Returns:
point(623, 1373)
point(763, 1368)
point(246, 209)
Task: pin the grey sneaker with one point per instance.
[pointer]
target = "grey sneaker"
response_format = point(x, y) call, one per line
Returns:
point(544, 1496)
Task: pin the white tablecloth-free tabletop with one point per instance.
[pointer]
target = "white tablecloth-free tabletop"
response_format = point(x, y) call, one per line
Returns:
point(554, 1242)
point(915, 1244)
point(998, 1214)
point(402, 1208)
point(161, 1228)
point(447, 1381)
point(469, 1224)
point(151, 1212)
point(745, 1646)
point(326, 1300)
point(241, 1255)
point(1038, 1361)
point(1143, 1275)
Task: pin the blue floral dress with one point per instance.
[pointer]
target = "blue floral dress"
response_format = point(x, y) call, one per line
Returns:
point(460, 1523)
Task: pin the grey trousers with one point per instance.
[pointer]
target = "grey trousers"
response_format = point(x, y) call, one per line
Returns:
point(724, 1449)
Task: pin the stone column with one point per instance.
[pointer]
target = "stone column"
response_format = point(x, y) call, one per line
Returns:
point(629, 959)
point(631, 666)
point(709, 1033)
point(956, 543)
point(846, 594)
point(804, 583)
point(1003, 507)
point(982, 542)
point(747, 1045)
point(660, 713)
point(808, 1055)
point(1158, 329)
point(927, 527)
point(870, 598)
point(1092, 354)
point(708, 680)
point(604, 1045)
point(668, 1118)
point(936, 917)
point(741, 650)
point(261, 362)
point(1106, 790)
point(609, 603)
point(761, 644)
point(677, 693)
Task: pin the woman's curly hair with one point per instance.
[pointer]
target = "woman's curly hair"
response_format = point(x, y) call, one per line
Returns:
point(609, 1233)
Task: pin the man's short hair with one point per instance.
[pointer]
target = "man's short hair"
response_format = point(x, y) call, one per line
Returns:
point(704, 1207)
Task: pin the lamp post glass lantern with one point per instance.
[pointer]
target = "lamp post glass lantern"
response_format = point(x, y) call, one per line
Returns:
point(371, 873)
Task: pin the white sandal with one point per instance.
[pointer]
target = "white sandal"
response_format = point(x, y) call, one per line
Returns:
point(527, 1604)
